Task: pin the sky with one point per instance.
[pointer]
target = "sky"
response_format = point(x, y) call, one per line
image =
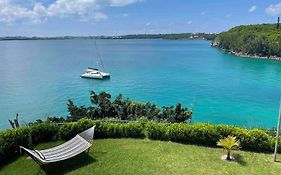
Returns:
point(120, 17)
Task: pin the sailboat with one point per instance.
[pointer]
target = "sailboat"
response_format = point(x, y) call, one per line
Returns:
point(95, 73)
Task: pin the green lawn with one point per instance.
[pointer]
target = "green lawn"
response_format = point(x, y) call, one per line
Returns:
point(129, 156)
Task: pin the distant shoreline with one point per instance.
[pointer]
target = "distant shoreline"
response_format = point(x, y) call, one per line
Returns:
point(179, 36)
point(100, 39)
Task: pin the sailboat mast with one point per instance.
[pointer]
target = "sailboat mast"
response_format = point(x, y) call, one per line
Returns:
point(98, 55)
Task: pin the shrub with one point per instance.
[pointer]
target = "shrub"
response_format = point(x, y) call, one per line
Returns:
point(201, 134)
point(102, 130)
point(126, 109)
point(134, 130)
point(43, 132)
point(157, 131)
point(111, 130)
point(225, 130)
point(10, 140)
point(207, 135)
point(70, 129)
point(115, 130)
point(257, 140)
point(204, 134)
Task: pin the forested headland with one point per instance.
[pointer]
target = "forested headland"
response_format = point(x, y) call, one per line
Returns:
point(259, 41)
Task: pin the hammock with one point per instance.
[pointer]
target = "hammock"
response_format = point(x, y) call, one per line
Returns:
point(80, 143)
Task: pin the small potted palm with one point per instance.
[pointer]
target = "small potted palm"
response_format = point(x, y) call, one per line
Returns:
point(229, 144)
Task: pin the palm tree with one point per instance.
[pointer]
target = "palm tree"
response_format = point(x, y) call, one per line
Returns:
point(229, 143)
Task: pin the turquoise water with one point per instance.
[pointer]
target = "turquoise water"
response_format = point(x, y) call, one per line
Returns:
point(37, 78)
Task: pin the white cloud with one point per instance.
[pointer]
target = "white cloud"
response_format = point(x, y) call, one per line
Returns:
point(120, 3)
point(124, 15)
point(147, 24)
point(36, 12)
point(202, 13)
point(252, 9)
point(189, 22)
point(273, 10)
point(11, 13)
point(228, 15)
point(97, 16)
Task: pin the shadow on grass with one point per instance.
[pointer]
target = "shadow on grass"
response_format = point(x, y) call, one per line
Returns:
point(67, 165)
point(239, 159)
point(7, 162)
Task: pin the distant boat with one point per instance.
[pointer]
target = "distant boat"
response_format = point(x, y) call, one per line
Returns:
point(95, 73)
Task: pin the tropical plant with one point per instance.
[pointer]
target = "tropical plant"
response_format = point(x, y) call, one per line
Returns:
point(229, 143)
point(126, 109)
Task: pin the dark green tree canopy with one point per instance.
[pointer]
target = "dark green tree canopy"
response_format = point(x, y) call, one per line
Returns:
point(126, 109)
point(256, 40)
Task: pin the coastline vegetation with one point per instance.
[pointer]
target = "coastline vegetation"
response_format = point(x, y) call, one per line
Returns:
point(259, 41)
point(124, 118)
point(198, 134)
point(126, 109)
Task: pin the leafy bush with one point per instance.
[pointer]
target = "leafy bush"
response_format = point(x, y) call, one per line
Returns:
point(157, 131)
point(43, 132)
point(70, 129)
point(134, 130)
point(10, 140)
point(204, 134)
point(102, 130)
point(126, 109)
point(225, 130)
point(207, 135)
point(200, 134)
point(257, 140)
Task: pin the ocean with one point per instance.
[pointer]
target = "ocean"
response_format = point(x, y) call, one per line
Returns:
point(38, 77)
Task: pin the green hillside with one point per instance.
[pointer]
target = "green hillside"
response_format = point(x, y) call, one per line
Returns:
point(263, 40)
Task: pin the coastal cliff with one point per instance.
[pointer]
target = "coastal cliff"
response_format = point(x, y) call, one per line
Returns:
point(262, 41)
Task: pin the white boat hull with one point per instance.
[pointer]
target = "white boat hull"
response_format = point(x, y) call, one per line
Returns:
point(91, 76)
point(95, 74)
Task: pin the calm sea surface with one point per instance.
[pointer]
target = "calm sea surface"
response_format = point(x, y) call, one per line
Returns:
point(37, 78)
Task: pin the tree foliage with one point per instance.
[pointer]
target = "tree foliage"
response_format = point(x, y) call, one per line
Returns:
point(258, 40)
point(126, 109)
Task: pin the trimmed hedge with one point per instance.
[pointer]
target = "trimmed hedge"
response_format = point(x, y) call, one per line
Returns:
point(200, 134)
point(102, 130)
point(43, 133)
point(11, 139)
point(208, 135)
point(157, 131)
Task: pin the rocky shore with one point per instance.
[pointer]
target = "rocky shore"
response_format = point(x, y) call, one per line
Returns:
point(246, 55)
point(240, 54)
